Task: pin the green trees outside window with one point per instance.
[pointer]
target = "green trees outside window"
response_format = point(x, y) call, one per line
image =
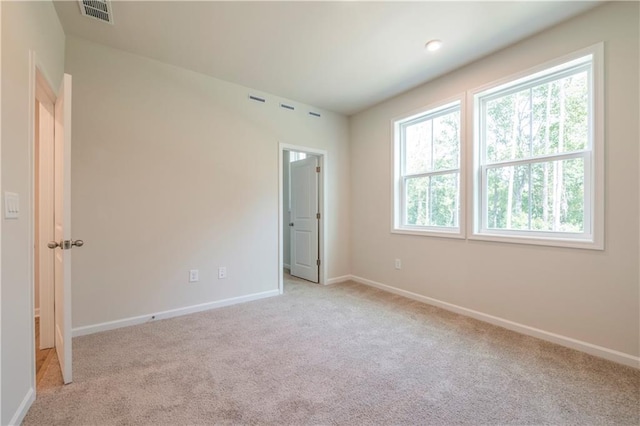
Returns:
point(522, 162)
point(430, 169)
point(534, 142)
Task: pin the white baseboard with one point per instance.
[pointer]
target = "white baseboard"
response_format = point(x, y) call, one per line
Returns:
point(591, 349)
point(337, 280)
point(23, 408)
point(126, 322)
point(287, 266)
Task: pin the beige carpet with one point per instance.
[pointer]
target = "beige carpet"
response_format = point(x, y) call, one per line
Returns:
point(343, 354)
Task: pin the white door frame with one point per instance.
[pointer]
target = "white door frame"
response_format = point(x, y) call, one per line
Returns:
point(323, 161)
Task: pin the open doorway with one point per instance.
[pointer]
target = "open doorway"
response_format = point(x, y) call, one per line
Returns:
point(302, 214)
point(43, 153)
point(50, 221)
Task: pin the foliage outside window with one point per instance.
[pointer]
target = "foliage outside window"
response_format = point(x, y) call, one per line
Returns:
point(427, 171)
point(296, 156)
point(536, 151)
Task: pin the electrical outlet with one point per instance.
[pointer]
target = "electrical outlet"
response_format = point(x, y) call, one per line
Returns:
point(222, 272)
point(194, 276)
point(398, 264)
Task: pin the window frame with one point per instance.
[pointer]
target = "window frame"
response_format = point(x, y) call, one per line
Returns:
point(398, 205)
point(593, 235)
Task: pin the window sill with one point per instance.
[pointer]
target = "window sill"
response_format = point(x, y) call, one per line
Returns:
point(538, 241)
point(453, 233)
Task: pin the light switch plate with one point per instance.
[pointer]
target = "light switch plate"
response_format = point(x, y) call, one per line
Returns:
point(11, 205)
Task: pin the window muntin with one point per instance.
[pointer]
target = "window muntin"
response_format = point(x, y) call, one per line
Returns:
point(428, 171)
point(535, 155)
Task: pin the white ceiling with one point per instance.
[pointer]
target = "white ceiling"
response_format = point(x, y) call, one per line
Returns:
point(341, 56)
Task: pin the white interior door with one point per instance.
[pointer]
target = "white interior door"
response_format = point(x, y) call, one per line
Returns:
point(62, 223)
point(304, 220)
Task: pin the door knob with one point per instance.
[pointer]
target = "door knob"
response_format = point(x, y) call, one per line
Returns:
point(291, 224)
point(65, 244)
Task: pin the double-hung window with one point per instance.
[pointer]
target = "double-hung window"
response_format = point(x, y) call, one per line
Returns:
point(426, 185)
point(538, 156)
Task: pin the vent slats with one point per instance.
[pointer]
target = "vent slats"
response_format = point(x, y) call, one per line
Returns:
point(98, 14)
point(99, 5)
point(282, 105)
point(97, 9)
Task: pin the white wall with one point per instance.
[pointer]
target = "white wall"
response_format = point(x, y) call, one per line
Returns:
point(25, 26)
point(173, 170)
point(591, 296)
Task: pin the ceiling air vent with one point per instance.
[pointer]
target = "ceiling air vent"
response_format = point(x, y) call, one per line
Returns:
point(97, 9)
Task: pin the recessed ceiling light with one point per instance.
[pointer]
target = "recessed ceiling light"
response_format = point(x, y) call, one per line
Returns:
point(433, 45)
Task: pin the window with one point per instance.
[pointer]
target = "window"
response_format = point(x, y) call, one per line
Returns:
point(538, 156)
point(296, 156)
point(427, 153)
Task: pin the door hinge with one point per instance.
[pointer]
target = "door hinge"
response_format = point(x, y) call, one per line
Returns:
point(318, 262)
point(317, 215)
point(317, 169)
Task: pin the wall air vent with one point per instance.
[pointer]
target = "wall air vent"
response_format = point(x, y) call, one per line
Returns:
point(97, 9)
point(285, 106)
point(257, 99)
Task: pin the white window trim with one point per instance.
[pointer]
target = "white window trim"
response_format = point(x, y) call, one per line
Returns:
point(594, 199)
point(396, 187)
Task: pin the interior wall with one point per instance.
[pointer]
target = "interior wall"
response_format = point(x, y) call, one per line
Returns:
point(25, 26)
point(174, 170)
point(591, 296)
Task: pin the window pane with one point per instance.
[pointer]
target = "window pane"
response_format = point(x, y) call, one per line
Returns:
point(296, 156)
point(417, 147)
point(432, 201)
point(561, 115)
point(446, 141)
point(507, 127)
point(508, 197)
point(432, 144)
point(546, 119)
point(547, 196)
point(558, 196)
